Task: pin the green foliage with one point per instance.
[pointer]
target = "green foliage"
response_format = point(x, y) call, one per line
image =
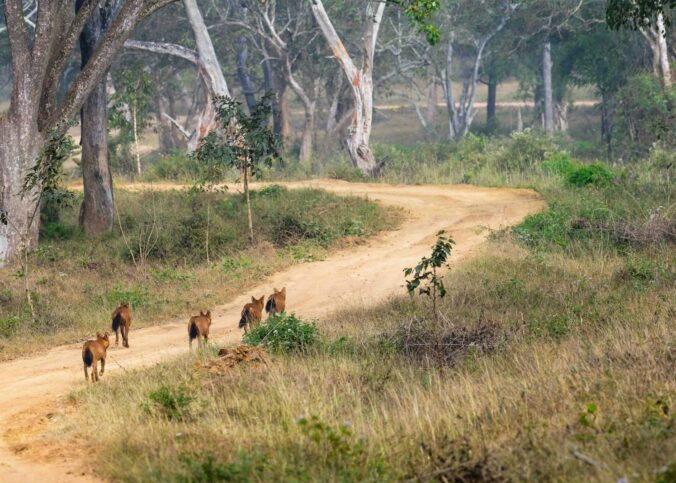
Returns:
point(9, 326)
point(172, 403)
point(55, 231)
point(43, 179)
point(244, 141)
point(424, 276)
point(340, 450)
point(137, 297)
point(207, 469)
point(559, 163)
point(637, 14)
point(589, 174)
point(421, 13)
point(176, 166)
point(283, 333)
point(132, 100)
point(645, 115)
point(525, 151)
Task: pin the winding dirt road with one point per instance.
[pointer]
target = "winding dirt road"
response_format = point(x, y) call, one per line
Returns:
point(32, 390)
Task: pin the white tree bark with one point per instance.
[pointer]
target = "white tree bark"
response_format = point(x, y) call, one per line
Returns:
point(547, 85)
point(657, 41)
point(361, 81)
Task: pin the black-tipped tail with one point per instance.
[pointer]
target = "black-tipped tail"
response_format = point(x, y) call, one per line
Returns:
point(88, 357)
point(244, 320)
point(117, 320)
point(193, 332)
point(270, 305)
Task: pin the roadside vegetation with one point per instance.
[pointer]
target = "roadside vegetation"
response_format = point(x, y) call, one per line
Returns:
point(551, 356)
point(171, 252)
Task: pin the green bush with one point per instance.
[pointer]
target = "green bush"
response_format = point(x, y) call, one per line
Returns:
point(645, 115)
point(524, 151)
point(176, 166)
point(559, 163)
point(589, 174)
point(169, 402)
point(137, 296)
point(283, 333)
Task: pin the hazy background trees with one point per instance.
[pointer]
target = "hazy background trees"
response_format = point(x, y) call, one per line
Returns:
point(482, 67)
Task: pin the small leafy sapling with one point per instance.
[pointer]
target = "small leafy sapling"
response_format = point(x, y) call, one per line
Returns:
point(243, 141)
point(425, 278)
point(42, 181)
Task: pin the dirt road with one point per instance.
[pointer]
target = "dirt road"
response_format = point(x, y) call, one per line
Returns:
point(32, 390)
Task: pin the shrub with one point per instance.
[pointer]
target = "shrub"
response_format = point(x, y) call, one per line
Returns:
point(169, 402)
point(346, 172)
point(525, 150)
point(283, 334)
point(559, 163)
point(589, 174)
point(137, 296)
point(176, 166)
point(646, 114)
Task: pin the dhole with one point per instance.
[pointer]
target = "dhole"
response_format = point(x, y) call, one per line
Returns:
point(276, 302)
point(198, 328)
point(251, 314)
point(122, 321)
point(94, 351)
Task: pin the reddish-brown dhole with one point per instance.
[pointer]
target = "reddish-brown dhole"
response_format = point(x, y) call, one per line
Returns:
point(198, 328)
point(122, 322)
point(252, 314)
point(94, 351)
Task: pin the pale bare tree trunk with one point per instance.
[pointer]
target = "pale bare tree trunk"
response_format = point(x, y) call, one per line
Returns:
point(432, 99)
point(137, 149)
point(657, 40)
point(361, 81)
point(547, 85)
point(245, 173)
point(519, 121)
point(219, 87)
point(664, 51)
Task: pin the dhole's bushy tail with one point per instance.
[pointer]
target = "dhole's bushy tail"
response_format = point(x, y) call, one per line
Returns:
point(270, 305)
point(88, 357)
point(193, 332)
point(244, 320)
point(116, 322)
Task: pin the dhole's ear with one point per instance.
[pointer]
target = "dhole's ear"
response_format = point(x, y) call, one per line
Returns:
point(201, 313)
point(275, 289)
point(98, 335)
point(253, 299)
point(208, 314)
point(283, 290)
point(262, 298)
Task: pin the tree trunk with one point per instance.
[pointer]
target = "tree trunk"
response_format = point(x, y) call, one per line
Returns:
point(97, 209)
point(245, 173)
point(207, 55)
point(663, 51)
point(431, 104)
point(491, 123)
point(308, 133)
point(547, 86)
point(361, 81)
point(20, 143)
point(243, 73)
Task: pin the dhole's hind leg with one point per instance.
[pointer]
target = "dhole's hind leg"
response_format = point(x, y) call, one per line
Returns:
point(117, 337)
point(103, 366)
point(86, 375)
point(95, 372)
point(125, 336)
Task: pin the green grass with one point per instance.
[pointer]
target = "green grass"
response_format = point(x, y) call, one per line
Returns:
point(156, 257)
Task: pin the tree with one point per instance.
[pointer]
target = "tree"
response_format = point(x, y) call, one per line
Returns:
point(360, 80)
point(96, 212)
point(38, 63)
point(242, 141)
point(638, 14)
point(470, 27)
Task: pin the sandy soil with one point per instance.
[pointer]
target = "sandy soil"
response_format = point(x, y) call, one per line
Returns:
point(33, 391)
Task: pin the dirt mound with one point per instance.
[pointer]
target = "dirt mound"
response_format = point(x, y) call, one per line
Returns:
point(229, 358)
